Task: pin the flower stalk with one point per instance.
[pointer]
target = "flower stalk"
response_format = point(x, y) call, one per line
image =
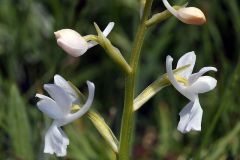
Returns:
point(112, 51)
point(128, 116)
point(159, 17)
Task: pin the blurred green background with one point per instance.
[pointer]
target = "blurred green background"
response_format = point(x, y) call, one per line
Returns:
point(29, 57)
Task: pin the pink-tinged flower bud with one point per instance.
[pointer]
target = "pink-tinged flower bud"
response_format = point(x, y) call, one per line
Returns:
point(188, 15)
point(71, 42)
point(191, 15)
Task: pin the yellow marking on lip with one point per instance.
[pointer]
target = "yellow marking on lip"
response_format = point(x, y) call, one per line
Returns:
point(181, 80)
point(75, 107)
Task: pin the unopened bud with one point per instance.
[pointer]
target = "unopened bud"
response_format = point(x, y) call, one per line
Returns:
point(71, 42)
point(188, 15)
point(191, 15)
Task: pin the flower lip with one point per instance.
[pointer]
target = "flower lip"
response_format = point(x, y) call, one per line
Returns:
point(56, 141)
point(190, 117)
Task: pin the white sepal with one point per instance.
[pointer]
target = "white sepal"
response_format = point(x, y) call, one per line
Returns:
point(61, 82)
point(195, 76)
point(59, 96)
point(203, 84)
point(182, 89)
point(49, 107)
point(186, 59)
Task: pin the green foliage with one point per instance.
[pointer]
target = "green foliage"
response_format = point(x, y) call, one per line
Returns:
point(29, 57)
point(18, 126)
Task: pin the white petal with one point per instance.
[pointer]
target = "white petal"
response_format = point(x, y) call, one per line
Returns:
point(182, 89)
point(195, 76)
point(71, 42)
point(108, 29)
point(56, 141)
point(61, 82)
point(85, 107)
point(186, 59)
point(60, 96)
point(41, 96)
point(203, 84)
point(49, 107)
point(106, 32)
point(190, 117)
point(170, 8)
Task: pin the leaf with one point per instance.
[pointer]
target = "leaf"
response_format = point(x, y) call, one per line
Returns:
point(18, 126)
point(104, 130)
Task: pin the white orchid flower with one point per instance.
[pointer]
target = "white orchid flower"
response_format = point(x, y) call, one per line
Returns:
point(74, 44)
point(58, 107)
point(188, 15)
point(191, 114)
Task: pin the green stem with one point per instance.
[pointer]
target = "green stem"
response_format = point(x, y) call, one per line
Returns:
point(116, 56)
point(113, 52)
point(159, 17)
point(127, 119)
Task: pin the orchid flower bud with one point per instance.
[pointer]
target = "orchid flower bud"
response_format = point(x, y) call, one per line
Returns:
point(71, 42)
point(191, 15)
point(188, 15)
point(75, 44)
